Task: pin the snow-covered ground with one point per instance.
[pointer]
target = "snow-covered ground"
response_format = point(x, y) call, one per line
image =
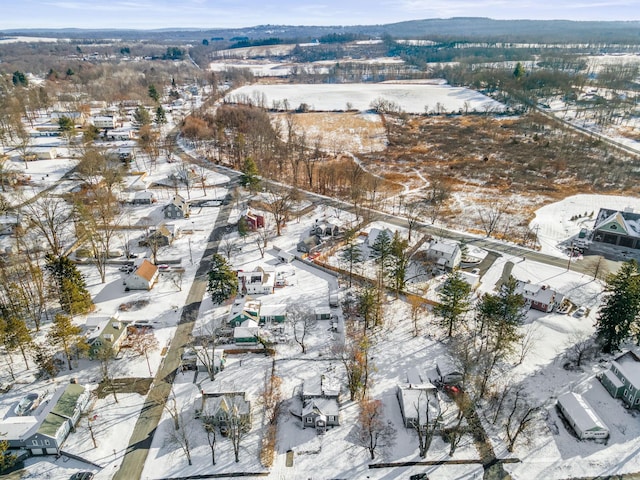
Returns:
point(412, 98)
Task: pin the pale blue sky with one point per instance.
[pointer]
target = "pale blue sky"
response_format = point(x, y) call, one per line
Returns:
point(238, 13)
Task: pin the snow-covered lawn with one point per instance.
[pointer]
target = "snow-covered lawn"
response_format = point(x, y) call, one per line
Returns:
point(412, 98)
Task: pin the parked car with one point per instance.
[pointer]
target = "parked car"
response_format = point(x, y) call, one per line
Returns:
point(163, 266)
point(475, 271)
point(82, 476)
point(419, 476)
point(27, 404)
point(581, 312)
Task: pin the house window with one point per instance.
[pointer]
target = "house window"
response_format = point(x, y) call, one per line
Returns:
point(626, 392)
point(309, 420)
point(637, 401)
point(34, 442)
point(46, 442)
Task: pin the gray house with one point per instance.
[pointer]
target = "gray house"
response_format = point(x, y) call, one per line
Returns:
point(622, 380)
point(221, 409)
point(320, 404)
point(178, 208)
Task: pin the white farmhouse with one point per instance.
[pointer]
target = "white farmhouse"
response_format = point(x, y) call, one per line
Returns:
point(259, 282)
point(447, 255)
point(143, 277)
point(104, 122)
point(584, 421)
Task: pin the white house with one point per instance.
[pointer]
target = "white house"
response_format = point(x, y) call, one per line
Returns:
point(418, 404)
point(246, 333)
point(103, 122)
point(582, 418)
point(143, 277)
point(445, 254)
point(261, 281)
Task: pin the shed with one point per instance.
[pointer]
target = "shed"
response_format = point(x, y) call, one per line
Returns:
point(323, 313)
point(285, 257)
point(582, 418)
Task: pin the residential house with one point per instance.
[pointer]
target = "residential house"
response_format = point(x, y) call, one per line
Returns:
point(320, 403)
point(373, 234)
point(222, 409)
point(178, 208)
point(539, 297)
point(260, 281)
point(582, 418)
point(254, 220)
point(616, 227)
point(445, 254)
point(285, 257)
point(472, 279)
point(45, 434)
point(246, 333)
point(325, 229)
point(143, 277)
point(622, 380)
point(110, 333)
point(309, 244)
point(143, 198)
point(243, 310)
point(273, 313)
point(162, 236)
point(103, 122)
point(418, 404)
point(77, 117)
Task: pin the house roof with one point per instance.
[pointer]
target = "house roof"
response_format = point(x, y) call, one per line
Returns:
point(211, 405)
point(615, 381)
point(51, 424)
point(66, 404)
point(444, 248)
point(17, 428)
point(320, 386)
point(538, 293)
point(616, 221)
point(146, 270)
point(321, 406)
point(414, 398)
point(581, 412)
point(628, 364)
point(273, 310)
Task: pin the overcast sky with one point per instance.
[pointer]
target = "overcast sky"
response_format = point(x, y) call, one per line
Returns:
point(147, 14)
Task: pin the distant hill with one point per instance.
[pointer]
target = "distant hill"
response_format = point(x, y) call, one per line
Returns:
point(471, 28)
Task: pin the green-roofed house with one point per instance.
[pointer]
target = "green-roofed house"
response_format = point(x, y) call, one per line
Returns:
point(60, 420)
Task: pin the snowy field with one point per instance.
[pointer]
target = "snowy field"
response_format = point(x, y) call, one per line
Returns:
point(412, 98)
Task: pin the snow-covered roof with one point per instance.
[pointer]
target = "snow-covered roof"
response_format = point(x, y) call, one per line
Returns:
point(615, 381)
point(413, 399)
point(320, 386)
point(608, 219)
point(581, 412)
point(272, 310)
point(444, 248)
point(628, 365)
point(324, 406)
point(538, 293)
point(17, 428)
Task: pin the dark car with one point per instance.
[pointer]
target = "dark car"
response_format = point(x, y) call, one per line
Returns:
point(81, 476)
point(419, 476)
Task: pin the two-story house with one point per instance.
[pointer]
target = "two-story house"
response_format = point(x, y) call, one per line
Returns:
point(622, 380)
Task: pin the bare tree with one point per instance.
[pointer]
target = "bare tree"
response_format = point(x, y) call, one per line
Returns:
point(372, 431)
point(418, 308)
point(527, 341)
point(211, 440)
point(238, 423)
point(580, 349)
point(490, 217)
point(519, 418)
point(52, 218)
point(182, 435)
point(204, 347)
point(355, 357)
point(143, 342)
point(280, 201)
point(302, 321)
point(413, 212)
point(427, 421)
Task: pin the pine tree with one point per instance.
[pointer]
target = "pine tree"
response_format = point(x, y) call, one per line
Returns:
point(161, 116)
point(223, 281)
point(454, 301)
point(518, 72)
point(65, 334)
point(15, 335)
point(153, 93)
point(398, 263)
point(352, 255)
point(72, 289)
point(250, 176)
point(620, 308)
point(141, 116)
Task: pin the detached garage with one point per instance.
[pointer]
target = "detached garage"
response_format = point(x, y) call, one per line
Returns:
point(582, 418)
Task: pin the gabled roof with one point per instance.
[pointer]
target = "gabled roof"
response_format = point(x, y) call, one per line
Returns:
point(321, 406)
point(146, 270)
point(623, 222)
point(581, 412)
point(628, 364)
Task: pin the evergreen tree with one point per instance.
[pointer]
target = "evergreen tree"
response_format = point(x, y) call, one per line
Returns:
point(72, 290)
point(621, 306)
point(250, 176)
point(454, 301)
point(352, 255)
point(141, 116)
point(66, 335)
point(223, 281)
point(501, 315)
point(7, 459)
point(20, 79)
point(381, 250)
point(161, 116)
point(398, 263)
point(153, 93)
point(15, 334)
point(518, 72)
